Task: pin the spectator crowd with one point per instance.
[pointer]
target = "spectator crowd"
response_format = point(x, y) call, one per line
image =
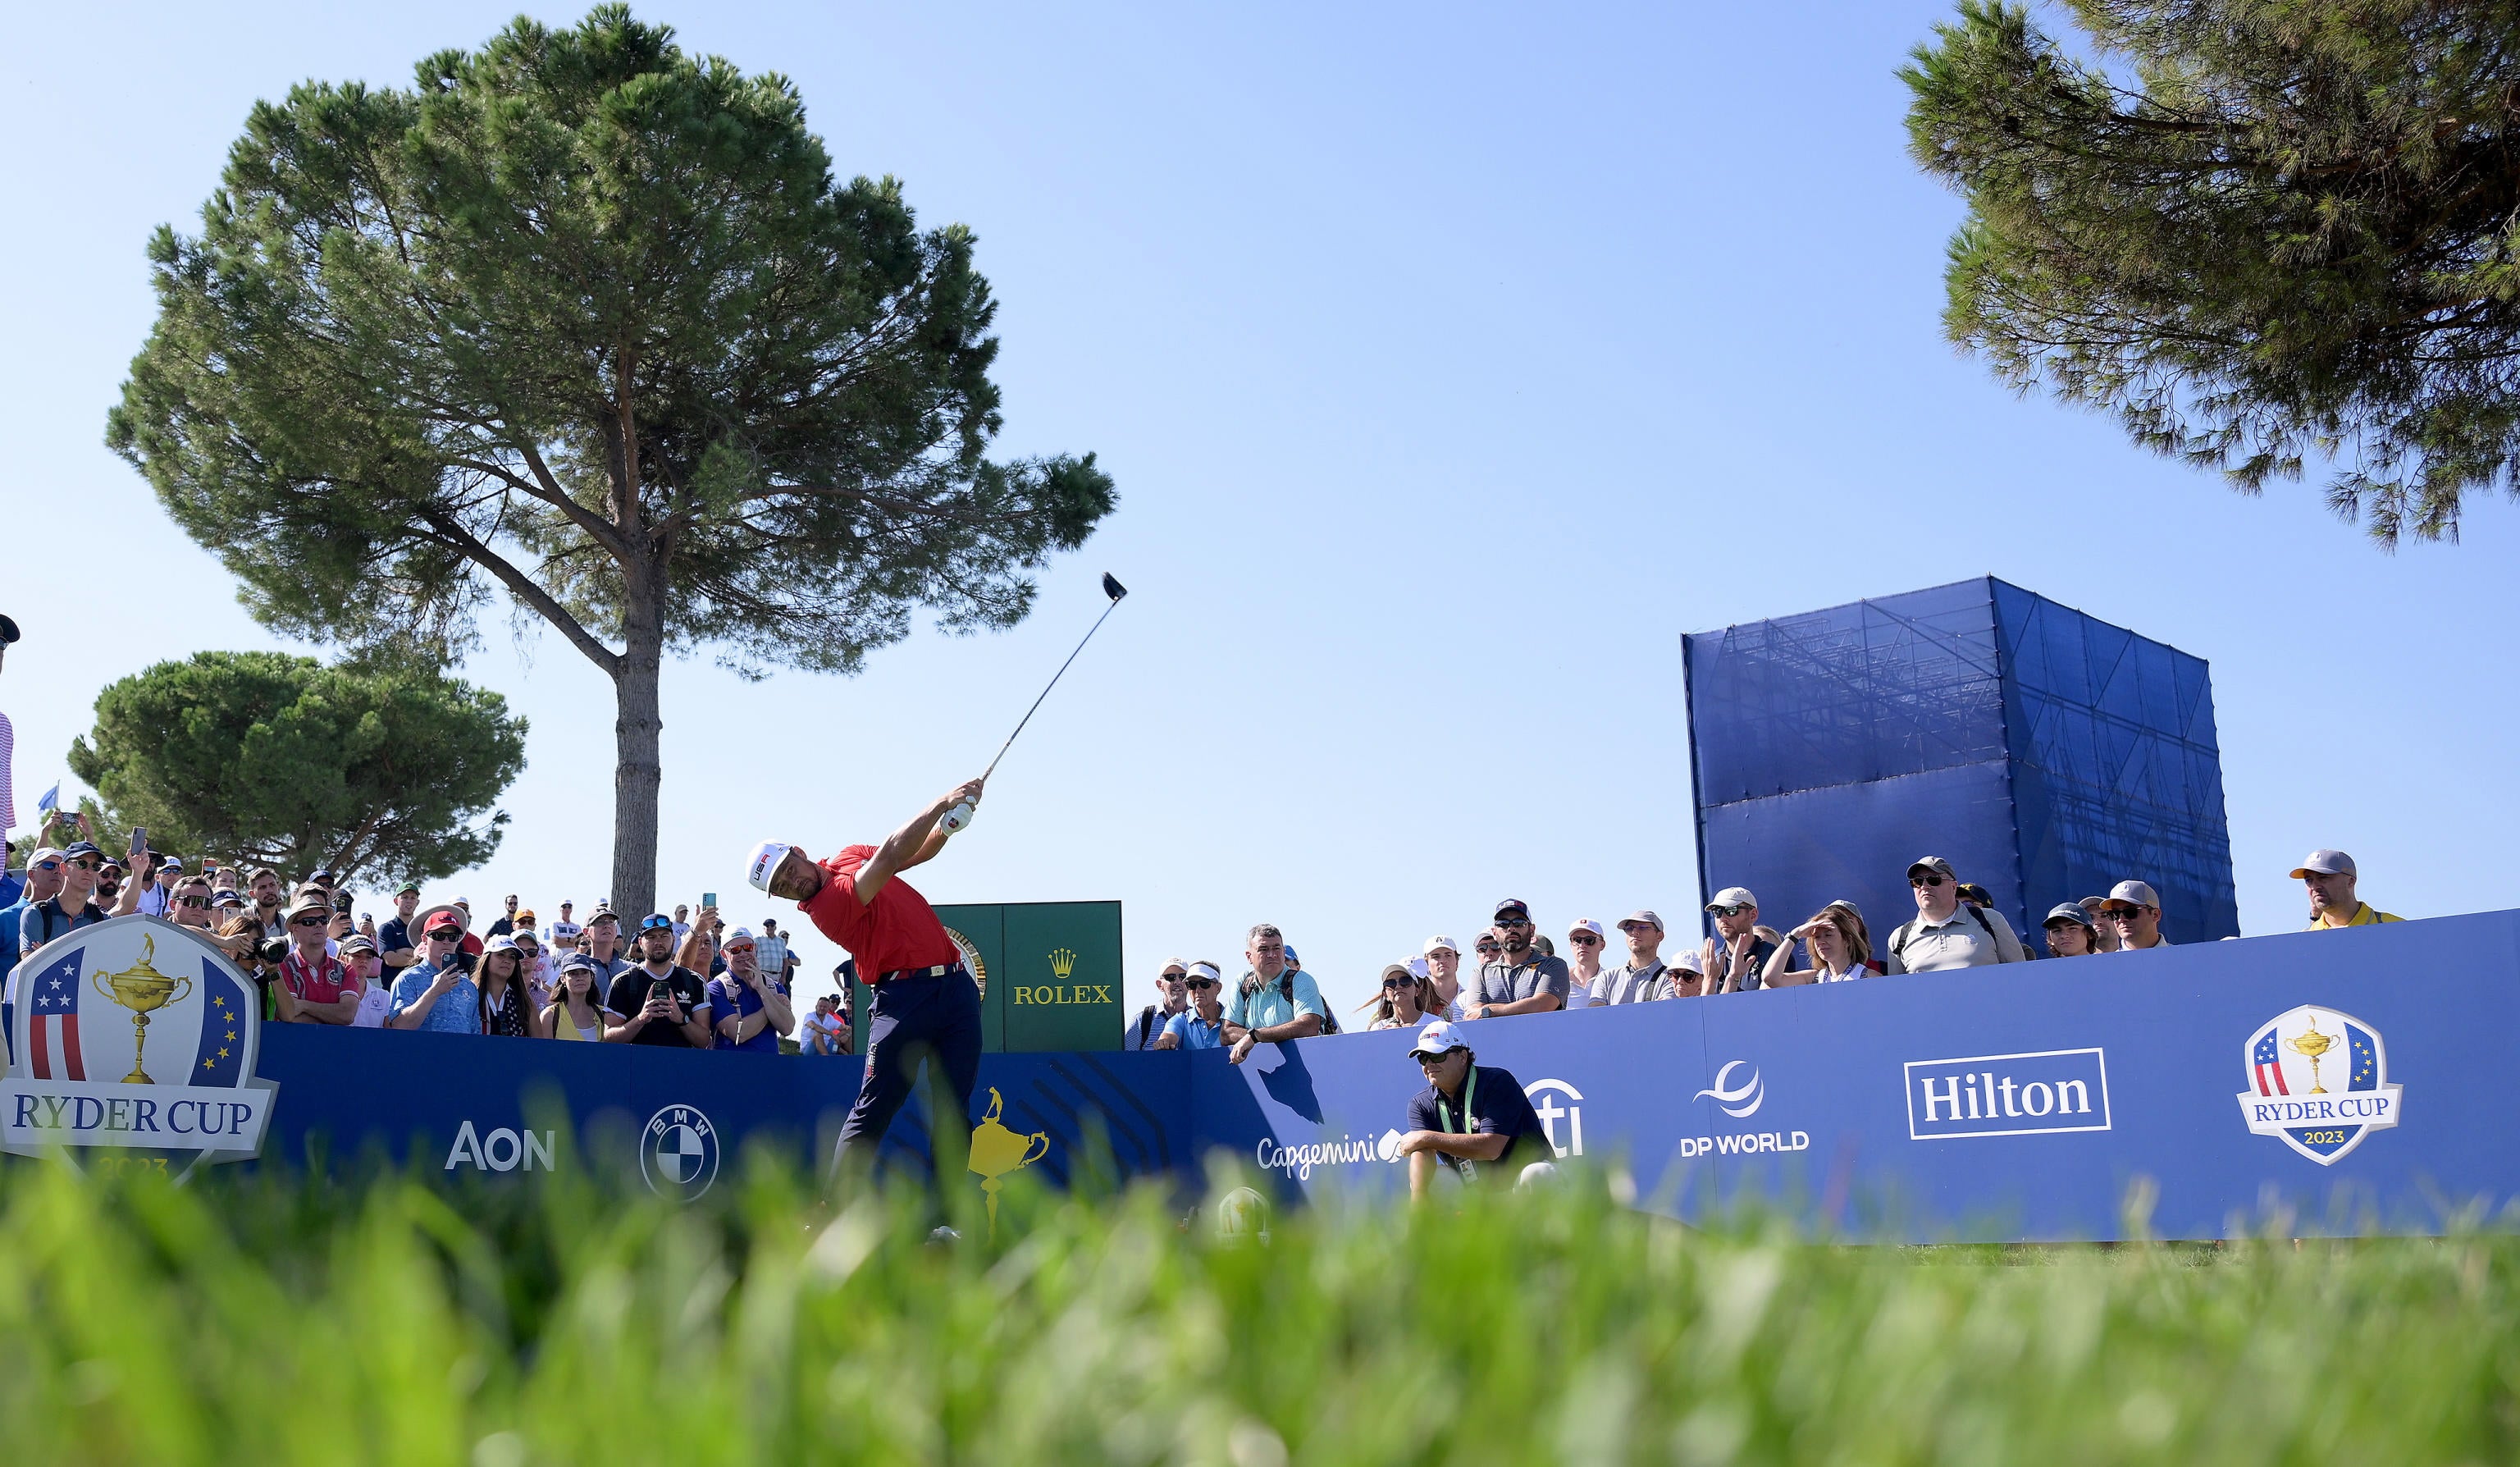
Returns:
point(681, 981)
point(688, 981)
point(1515, 969)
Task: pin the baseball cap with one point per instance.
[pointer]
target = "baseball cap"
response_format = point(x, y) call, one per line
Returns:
point(577, 962)
point(1934, 863)
point(1512, 904)
point(526, 915)
point(325, 877)
point(44, 853)
point(1587, 924)
point(78, 848)
point(354, 943)
point(2067, 911)
point(226, 898)
point(1733, 897)
point(1688, 962)
point(2325, 863)
point(1438, 1037)
point(2129, 893)
point(600, 914)
point(408, 888)
point(1642, 916)
point(1418, 967)
point(741, 937)
point(1441, 943)
point(442, 922)
point(1389, 969)
point(1971, 891)
point(1292, 961)
point(764, 860)
point(500, 943)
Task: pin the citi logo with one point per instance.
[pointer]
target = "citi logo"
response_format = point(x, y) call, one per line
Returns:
point(2034, 1094)
point(1543, 1094)
point(1741, 1101)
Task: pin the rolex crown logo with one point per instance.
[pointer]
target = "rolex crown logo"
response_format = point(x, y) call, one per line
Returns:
point(1063, 963)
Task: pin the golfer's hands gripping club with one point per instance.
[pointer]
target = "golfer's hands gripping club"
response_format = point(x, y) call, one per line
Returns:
point(961, 805)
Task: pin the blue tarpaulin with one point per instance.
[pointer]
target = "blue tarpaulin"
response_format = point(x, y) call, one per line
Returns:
point(2047, 754)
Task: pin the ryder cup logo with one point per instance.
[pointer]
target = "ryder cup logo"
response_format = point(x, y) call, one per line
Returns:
point(2289, 1062)
point(678, 1152)
point(139, 1035)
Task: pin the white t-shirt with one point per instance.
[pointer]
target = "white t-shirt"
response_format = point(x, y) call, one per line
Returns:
point(373, 1005)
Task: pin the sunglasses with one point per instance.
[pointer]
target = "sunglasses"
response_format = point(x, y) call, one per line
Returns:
point(1735, 910)
point(1514, 921)
point(736, 948)
point(1582, 938)
point(446, 934)
point(1204, 982)
point(192, 901)
point(1927, 881)
point(53, 865)
point(1491, 946)
point(84, 864)
point(306, 922)
point(1170, 978)
point(1402, 982)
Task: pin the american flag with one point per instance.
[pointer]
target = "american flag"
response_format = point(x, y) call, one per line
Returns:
point(219, 1056)
point(53, 1037)
point(2270, 1080)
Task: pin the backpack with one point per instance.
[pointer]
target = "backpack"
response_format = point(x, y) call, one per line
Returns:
point(1146, 1025)
point(1908, 929)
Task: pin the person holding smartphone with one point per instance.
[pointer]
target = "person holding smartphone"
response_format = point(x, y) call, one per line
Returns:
point(657, 1001)
point(749, 1001)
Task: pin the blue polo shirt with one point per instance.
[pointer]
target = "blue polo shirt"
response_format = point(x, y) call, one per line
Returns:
point(730, 995)
point(457, 1010)
point(1276, 1001)
point(1190, 1031)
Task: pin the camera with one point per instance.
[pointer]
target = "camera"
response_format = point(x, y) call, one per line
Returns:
point(272, 950)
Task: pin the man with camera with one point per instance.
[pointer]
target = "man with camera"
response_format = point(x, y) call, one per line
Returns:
point(657, 1001)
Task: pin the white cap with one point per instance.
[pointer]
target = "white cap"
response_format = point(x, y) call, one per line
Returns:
point(739, 935)
point(1418, 967)
point(1204, 970)
point(1444, 942)
point(1687, 961)
point(1733, 896)
point(1587, 924)
point(1438, 1037)
point(766, 857)
point(2129, 893)
point(2325, 863)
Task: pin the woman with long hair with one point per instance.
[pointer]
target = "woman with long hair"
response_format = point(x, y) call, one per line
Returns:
point(507, 1009)
point(1396, 1006)
point(1838, 947)
point(2071, 932)
point(576, 1012)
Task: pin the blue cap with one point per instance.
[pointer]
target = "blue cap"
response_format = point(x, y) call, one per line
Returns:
point(81, 847)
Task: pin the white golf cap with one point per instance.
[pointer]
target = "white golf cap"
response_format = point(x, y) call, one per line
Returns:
point(1587, 924)
point(2129, 893)
point(739, 935)
point(1640, 917)
point(1204, 970)
point(1438, 1037)
point(1418, 967)
point(766, 857)
point(1687, 961)
point(2325, 863)
point(1439, 941)
point(1402, 969)
point(1733, 896)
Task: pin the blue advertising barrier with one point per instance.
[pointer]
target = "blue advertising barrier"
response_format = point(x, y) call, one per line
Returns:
point(2356, 1080)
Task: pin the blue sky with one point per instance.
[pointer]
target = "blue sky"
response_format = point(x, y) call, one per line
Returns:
point(1452, 362)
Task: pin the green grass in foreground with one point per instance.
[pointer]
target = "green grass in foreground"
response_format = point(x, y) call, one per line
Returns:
point(249, 1320)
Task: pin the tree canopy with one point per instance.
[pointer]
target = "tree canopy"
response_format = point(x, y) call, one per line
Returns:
point(587, 324)
point(2262, 233)
point(383, 772)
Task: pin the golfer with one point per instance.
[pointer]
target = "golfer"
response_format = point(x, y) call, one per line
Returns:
point(925, 1005)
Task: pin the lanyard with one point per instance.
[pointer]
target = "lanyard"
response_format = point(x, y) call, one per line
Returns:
point(1469, 1095)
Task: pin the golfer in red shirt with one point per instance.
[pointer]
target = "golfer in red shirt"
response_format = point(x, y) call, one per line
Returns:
point(925, 1005)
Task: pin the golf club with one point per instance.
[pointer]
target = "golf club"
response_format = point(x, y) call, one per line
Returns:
point(961, 815)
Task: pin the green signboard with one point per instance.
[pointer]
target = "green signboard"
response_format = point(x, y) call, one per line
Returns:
point(1048, 972)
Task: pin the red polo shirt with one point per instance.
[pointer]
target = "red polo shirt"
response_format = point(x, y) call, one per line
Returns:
point(324, 981)
point(898, 929)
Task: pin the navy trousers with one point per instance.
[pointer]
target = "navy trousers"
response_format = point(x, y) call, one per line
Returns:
point(934, 1018)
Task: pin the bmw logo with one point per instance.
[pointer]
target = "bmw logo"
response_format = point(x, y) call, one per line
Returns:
point(678, 1152)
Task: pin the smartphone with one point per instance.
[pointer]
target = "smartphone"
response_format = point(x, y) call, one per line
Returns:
point(139, 839)
point(709, 899)
point(658, 989)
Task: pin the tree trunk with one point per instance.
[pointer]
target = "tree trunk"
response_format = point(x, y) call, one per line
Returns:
point(638, 765)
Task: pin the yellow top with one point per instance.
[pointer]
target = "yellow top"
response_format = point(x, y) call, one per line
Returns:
point(2364, 915)
point(564, 1028)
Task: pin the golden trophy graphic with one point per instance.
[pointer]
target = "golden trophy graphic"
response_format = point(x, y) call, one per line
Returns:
point(2312, 1044)
point(141, 989)
point(997, 1151)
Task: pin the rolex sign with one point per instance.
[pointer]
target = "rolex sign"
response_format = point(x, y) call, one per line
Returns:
point(1048, 972)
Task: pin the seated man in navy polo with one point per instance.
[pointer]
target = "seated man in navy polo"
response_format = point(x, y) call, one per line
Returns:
point(1471, 1117)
